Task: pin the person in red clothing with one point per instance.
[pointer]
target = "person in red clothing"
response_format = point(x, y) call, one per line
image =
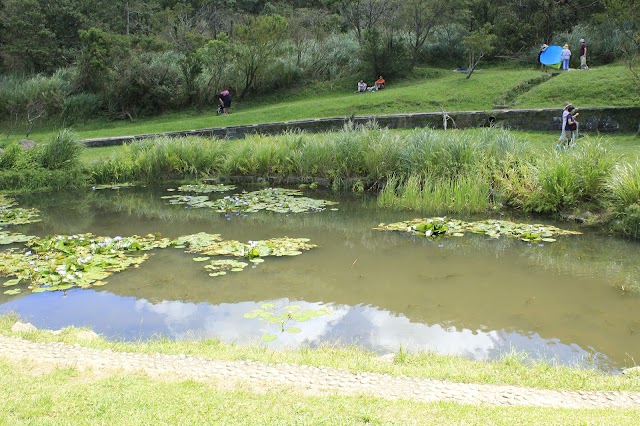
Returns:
point(379, 84)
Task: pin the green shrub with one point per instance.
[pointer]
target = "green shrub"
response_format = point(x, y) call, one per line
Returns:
point(60, 152)
point(13, 157)
point(624, 186)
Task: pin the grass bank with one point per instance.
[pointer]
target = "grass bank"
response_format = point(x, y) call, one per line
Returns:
point(67, 396)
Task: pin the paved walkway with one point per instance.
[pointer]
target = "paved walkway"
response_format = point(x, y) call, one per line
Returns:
point(303, 379)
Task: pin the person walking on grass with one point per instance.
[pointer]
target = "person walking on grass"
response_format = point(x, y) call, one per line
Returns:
point(565, 55)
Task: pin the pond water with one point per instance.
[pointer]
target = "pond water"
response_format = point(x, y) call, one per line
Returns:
point(471, 296)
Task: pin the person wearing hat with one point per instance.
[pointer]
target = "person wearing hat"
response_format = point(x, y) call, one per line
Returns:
point(583, 54)
point(565, 55)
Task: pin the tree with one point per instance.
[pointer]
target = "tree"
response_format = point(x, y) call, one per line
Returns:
point(478, 44)
point(101, 51)
point(257, 43)
point(365, 15)
point(215, 57)
point(27, 43)
point(421, 18)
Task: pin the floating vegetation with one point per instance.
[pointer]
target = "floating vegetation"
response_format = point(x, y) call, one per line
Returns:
point(112, 186)
point(443, 227)
point(61, 262)
point(221, 266)
point(283, 317)
point(10, 215)
point(205, 189)
point(271, 199)
point(194, 201)
point(213, 245)
point(11, 238)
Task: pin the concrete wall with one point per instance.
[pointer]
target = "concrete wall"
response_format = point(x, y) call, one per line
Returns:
point(598, 119)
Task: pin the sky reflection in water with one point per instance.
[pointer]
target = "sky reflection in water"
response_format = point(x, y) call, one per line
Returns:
point(130, 318)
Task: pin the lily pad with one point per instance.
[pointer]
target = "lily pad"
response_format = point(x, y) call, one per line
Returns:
point(13, 291)
point(11, 215)
point(11, 238)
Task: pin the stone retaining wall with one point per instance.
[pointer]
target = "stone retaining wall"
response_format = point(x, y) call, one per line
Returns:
point(600, 119)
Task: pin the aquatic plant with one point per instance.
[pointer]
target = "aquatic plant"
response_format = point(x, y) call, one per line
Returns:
point(271, 199)
point(283, 317)
point(60, 262)
point(204, 188)
point(443, 227)
point(11, 215)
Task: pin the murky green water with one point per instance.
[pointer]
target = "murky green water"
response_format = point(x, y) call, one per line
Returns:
point(472, 296)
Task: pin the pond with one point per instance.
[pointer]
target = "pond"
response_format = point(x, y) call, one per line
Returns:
point(475, 296)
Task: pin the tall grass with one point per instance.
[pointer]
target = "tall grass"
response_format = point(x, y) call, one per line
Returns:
point(61, 152)
point(624, 187)
point(437, 195)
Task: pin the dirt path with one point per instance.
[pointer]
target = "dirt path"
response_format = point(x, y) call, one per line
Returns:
point(304, 379)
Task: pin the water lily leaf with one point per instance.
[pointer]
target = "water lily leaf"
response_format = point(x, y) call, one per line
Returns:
point(268, 337)
point(267, 306)
point(13, 291)
point(9, 283)
point(201, 259)
point(293, 330)
point(549, 240)
point(256, 260)
point(251, 315)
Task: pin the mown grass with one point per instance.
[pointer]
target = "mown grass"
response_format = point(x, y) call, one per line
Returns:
point(426, 90)
point(68, 397)
point(611, 85)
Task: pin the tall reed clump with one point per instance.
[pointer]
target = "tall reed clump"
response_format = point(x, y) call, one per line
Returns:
point(624, 187)
point(438, 195)
point(563, 180)
point(61, 152)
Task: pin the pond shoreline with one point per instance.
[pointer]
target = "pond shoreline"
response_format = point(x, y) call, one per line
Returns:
point(303, 379)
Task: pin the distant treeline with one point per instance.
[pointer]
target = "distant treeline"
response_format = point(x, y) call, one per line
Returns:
point(75, 59)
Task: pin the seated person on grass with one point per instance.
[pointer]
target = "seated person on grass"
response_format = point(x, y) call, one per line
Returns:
point(362, 87)
point(379, 84)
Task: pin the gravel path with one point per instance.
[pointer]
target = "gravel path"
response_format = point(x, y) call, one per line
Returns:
point(304, 379)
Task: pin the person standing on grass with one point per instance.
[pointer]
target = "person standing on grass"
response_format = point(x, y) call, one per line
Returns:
point(583, 54)
point(566, 133)
point(572, 125)
point(225, 101)
point(565, 55)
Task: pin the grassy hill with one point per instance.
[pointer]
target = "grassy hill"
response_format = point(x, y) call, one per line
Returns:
point(427, 89)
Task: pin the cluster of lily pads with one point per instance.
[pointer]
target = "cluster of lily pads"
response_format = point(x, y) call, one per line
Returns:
point(443, 227)
point(255, 251)
point(12, 215)
point(277, 200)
point(283, 317)
point(63, 261)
